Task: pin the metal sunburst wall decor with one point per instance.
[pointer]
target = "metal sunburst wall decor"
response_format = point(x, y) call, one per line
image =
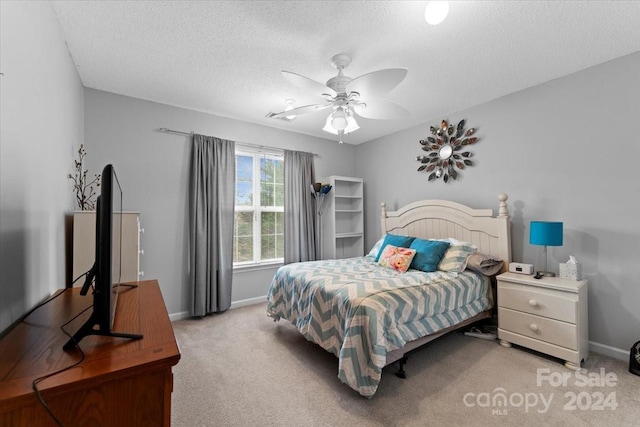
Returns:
point(445, 151)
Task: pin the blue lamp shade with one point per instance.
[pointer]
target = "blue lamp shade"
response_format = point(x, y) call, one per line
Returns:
point(545, 233)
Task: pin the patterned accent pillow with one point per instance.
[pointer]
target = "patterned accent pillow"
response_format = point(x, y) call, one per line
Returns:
point(455, 259)
point(397, 258)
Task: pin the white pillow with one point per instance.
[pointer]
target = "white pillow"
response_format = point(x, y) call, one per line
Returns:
point(376, 248)
point(454, 241)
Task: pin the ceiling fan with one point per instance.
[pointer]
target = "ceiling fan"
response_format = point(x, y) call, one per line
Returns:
point(347, 96)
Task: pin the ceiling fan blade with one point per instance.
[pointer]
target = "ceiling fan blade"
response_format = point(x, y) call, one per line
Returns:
point(299, 110)
point(378, 82)
point(381, 109)
point(308, 84)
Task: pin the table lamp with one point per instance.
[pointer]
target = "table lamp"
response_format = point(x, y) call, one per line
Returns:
point(545, 233)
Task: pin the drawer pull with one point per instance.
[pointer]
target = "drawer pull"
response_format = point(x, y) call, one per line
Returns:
point(533, 327)
point(533, 303)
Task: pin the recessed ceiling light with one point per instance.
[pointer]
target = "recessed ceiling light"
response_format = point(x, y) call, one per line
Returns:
point(436, 11)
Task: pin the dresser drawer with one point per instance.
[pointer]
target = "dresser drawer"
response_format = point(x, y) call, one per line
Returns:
point(549, 303)
point(547, 330)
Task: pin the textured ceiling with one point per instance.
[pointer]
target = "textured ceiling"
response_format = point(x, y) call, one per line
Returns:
point(225, 57)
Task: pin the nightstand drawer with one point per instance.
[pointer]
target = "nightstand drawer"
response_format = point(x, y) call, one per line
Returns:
point(540, 328)
point(549, 303)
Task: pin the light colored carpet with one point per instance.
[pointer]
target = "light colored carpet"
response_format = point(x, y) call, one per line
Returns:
point(240, 368)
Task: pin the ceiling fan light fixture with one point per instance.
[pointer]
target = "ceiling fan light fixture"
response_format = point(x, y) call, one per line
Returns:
point(436, 11)
point(327, 126)
point(350, 122)
point(290, 103)
point(339, 119)
point(352, 126)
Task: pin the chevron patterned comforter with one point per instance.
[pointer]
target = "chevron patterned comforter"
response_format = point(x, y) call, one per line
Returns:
point(359, 311)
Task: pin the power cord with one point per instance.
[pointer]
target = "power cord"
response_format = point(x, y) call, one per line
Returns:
point(36, 381)
point(43, 303)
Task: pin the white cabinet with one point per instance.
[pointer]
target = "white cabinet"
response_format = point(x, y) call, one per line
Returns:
point(548, 315)
point(84, 244)
point(343, 218)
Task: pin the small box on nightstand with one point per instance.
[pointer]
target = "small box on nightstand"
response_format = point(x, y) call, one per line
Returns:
point(571, 271)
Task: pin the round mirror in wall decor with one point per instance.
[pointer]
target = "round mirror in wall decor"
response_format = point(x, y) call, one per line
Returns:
point(446, 151)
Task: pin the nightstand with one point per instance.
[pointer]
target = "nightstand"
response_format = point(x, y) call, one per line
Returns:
point(548, 315)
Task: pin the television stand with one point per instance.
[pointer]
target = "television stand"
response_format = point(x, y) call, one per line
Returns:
point(88, 329)
point(119, 382)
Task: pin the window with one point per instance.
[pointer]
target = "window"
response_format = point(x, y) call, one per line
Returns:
point(259, 213)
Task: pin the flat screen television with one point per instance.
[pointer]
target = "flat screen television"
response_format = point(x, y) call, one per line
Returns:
point(106, 270)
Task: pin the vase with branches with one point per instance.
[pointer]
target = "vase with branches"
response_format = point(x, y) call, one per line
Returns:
point(85, 190)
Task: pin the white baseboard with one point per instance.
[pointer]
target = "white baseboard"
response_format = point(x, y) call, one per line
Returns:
point(607, 350)
point(249, 301)
point(179, 316)
point(235, 304)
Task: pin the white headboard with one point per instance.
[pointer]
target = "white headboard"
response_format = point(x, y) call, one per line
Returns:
point(439, 219)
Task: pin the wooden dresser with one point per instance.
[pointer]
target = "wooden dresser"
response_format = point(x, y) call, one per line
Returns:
point(120, 382)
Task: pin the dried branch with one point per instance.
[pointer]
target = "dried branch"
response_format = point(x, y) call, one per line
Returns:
point(84, 190)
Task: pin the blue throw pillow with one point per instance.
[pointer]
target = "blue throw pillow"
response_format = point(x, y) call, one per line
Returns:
point(428, 255)
point(395, 240)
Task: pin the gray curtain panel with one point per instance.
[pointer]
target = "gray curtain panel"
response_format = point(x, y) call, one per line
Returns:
point(299, 207)
point(211, 216)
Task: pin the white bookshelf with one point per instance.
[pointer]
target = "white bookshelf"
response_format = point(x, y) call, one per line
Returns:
point(343, 218)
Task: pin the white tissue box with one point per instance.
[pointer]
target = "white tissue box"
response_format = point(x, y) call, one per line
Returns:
point(571, 271)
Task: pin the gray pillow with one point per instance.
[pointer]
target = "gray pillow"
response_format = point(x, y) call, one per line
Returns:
point(484, 264)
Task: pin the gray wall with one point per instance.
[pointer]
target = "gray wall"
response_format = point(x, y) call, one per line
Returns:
point(152, 168)
point(41, 126)
point(566, 150)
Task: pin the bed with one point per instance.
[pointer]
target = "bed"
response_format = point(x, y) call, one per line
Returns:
point(370, 316)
